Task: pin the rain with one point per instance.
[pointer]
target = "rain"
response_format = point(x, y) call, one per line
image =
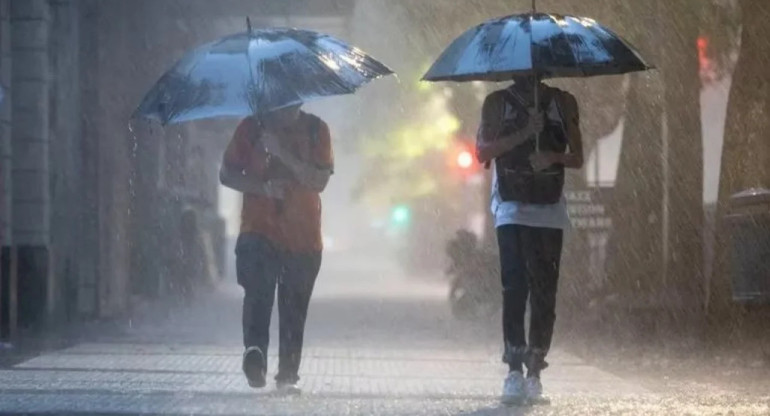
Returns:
point(384, 207)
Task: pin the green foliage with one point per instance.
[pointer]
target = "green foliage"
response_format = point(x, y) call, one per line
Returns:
point(404, 159)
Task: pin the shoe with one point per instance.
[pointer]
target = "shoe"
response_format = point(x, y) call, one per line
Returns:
point(288, 389)
point(254, 367)
point(514, 389)
point(535, 390)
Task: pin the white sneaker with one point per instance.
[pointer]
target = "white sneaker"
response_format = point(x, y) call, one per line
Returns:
point(514, 389)
point(288, 389)
point(535, 390)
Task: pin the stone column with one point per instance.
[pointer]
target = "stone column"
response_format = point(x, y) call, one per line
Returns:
point(5, 123)
point(67, 176)
point(6, 253)
point(30, 23)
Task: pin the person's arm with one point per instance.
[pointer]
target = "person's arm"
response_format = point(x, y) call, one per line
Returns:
point(252, 184)
point(235, 173)
point(573, 159)
point(313, 174)
point(489, 144)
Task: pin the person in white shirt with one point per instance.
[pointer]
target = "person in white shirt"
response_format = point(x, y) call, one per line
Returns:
point(530, 147)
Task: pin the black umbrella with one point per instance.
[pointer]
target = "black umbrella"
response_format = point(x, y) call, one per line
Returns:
point(535, 44)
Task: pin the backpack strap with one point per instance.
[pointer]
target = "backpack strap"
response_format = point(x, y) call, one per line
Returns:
point(516, 97)
point(315, 139)
point(547, 95)
point(550, 96)
point(315, 126)
point(512, 99)
point(556, 97)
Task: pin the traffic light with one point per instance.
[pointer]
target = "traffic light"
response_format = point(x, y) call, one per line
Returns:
point(705, 63)
point(400, 215)
point(465, 159)
point(461, 161)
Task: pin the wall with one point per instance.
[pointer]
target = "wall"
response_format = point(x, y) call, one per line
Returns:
point(90, 205)
point(5, 122)
point(5, 167)
point(30, 139)
point(71, 262)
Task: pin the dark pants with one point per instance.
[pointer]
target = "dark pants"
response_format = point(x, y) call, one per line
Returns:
point(529, 264)
point(261, 267)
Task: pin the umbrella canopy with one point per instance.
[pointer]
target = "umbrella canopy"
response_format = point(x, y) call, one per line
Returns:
point(541, 44)
point(258, 71)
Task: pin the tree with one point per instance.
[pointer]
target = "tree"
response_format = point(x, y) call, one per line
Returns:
point(658, 207)
point(684, 155)
point(635, 251)
point(746, 158)
point(746, 154)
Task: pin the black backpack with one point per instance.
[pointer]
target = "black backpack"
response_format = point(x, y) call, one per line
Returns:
point(516, 180)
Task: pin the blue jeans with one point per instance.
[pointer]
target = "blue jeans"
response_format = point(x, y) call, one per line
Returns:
point(261, 269)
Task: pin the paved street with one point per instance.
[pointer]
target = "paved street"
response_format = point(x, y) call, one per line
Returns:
point(377, 343)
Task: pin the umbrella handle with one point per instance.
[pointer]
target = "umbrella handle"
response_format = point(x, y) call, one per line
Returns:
point(532, 58)
point(537, 107)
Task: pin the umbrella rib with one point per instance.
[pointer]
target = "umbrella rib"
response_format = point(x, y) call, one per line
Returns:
point(573, 49)
point(251, 95)
point(313, 52)
point(325, 67)
point(516, 43)
point(601, 39)
point(606, 42)
point(576, 52)
point(532, 48)
point(172, 111)
point(626, 45)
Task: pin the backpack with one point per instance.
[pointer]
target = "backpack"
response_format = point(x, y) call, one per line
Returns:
point(516, 180)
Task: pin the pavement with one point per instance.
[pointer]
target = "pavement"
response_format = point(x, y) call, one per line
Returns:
point(377, 343)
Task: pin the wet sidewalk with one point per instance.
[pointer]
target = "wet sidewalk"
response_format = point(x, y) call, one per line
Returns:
point(207, 380)
point(378, 343)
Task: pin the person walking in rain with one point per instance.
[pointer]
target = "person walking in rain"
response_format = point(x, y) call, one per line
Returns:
point(281, 162)
point(530, 147)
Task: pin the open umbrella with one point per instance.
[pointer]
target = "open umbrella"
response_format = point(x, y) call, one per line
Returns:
point(258, 71)
point(540, 44)
point(535, 44)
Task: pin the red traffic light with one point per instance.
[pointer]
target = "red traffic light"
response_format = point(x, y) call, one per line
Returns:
point(465, 159)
